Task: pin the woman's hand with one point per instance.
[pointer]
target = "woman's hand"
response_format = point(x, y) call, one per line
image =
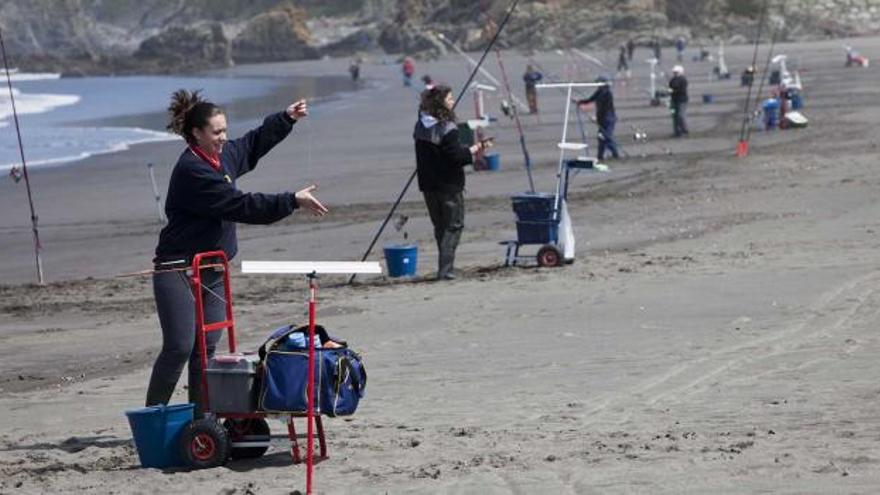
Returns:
point(305, 199)
point(298, 110)
point(481, 145)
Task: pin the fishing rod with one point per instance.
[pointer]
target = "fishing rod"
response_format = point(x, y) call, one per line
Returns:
point(37, 246)
point(519, 128)
point(773, 38)
point(461, 94)
point(742, 148)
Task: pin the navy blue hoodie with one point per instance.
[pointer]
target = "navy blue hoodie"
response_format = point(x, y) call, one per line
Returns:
point(203, 204)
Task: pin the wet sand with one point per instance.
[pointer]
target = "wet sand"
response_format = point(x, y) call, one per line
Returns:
point(716, 333)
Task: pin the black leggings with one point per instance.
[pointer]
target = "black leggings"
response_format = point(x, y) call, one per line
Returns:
point(176, 307)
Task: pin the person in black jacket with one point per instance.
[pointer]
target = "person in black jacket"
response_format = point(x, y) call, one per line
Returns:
point(203, 205)
point(440, 159)
point(605, 117)
point(678, 87)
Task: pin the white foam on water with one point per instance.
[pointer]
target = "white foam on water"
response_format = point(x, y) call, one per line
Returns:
point(27, 103)
point(29, 76)
point(104, 140)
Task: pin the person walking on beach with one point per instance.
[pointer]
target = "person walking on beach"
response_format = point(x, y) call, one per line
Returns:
point(408, 69)
point(680, 45)
point(440, 162)
point(531, 78)
point(354, 70)
point(203, 205)
point(605, 117)
point(630, 49)
point(622, 63)
point(678, 87)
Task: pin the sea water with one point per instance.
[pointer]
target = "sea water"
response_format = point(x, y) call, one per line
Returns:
point(63, 120)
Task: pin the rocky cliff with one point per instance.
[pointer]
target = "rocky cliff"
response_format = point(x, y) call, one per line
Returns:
point(125, 36)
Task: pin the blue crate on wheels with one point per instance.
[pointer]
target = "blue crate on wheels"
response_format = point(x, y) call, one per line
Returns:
point(533, 207)
point(535, 232)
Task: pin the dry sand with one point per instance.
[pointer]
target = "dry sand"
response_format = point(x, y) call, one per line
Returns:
point(716, 334)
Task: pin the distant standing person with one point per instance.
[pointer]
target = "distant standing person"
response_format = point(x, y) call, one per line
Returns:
point(630, 49)
point(622, 64)
point(680, 45)
point(429, 82)
point(657, 50)
point(440, 162)
point(605, 117)
point(354, 69)
point(678, 87)
point(408, 69)
point(203, 205)
point(531, 78)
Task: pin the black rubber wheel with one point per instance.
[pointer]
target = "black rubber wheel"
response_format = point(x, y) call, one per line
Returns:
point(549, 256)
point(244, 430)
point(204, 444)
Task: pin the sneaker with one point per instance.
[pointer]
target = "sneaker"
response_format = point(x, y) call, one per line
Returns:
point(446, 276)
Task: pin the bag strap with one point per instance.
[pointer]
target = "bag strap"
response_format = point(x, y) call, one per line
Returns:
point(284, 332)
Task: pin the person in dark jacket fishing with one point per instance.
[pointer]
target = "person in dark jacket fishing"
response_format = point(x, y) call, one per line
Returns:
point(203, 205)
point(440, 162)
point(678, 87)
point(606, 118)
point(531, 79)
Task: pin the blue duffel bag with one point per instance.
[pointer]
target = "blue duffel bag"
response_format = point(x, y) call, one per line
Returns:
point(340, 376)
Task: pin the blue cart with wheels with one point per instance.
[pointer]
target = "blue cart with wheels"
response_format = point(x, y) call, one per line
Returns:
point(542, 220)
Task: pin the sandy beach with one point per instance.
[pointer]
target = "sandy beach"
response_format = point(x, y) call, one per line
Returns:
point(715, 334)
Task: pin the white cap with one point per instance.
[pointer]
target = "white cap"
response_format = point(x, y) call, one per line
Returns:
point(678, 69)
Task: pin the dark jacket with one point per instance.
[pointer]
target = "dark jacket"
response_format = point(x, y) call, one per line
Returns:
point(440, 157)
point(679, 86)
point(604, 100)
point(531, 79)
point(203, 204)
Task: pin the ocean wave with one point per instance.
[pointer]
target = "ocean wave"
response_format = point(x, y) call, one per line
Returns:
point(104, 140)
point(29, 76)
point(32, 103)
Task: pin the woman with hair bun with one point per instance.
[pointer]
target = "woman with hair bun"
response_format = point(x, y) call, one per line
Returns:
point(203, 205)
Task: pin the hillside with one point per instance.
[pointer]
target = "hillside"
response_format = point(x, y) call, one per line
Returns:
point(128, 36)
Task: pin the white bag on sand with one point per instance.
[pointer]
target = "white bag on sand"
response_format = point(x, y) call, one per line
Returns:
point(796, 120)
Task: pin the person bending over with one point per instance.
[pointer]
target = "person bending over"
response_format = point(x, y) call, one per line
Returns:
point(203, 205)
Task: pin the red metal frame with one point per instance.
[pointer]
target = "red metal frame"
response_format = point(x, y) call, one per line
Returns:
point(202, 329)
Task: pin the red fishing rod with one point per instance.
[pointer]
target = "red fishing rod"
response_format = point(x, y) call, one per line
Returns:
point(742, 147)
point(37, 246)
point(519, 128)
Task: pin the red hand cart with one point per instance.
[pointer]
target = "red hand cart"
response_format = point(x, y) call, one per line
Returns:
point(208, 443)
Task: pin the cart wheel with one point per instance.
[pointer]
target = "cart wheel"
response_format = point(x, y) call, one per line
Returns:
point(549, 256)
point(205, 444)
point(243, 430)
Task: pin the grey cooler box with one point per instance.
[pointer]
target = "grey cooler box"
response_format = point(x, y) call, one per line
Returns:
point(232, 383)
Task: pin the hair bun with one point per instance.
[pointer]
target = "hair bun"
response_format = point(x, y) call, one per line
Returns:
point(182, 101)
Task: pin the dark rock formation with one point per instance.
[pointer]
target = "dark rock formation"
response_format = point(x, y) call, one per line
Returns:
point(278, 35)
point(195, 47)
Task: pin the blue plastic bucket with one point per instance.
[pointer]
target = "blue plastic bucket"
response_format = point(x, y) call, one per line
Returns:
point(401, 259)
point(493, 161)
point(771, 113)
point(156, 431)
point(707, 98)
